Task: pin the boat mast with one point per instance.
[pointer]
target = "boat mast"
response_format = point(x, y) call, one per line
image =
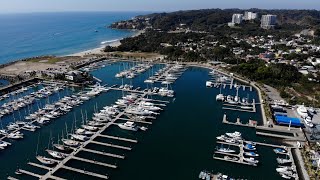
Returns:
point(38, 145)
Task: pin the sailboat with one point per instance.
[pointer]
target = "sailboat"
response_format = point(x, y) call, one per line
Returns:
point(42, 159)
point(61, 147)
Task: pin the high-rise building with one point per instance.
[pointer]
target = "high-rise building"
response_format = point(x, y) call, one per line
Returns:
point(268, 21)
point(237, 18)
point(250, 15)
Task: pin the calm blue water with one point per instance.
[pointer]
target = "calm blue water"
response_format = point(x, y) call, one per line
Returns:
point(28, 35)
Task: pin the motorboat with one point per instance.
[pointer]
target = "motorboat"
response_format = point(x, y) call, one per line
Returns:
point(251, 154)
point(45, 160)
point(16, 135)
point(279, 150)
point(283, 161)
point(251, 160)
point(79, 137)
point(143, 128)
point(225, 150)
point(12, 126)
point(4, 144)
point(220, 97)
point(284, 169)
point(302, 111)
point(236, 134)
point(139, 111)
point(128, 126)
point(95, 123)
point(90, 128)
point(149, 81)
point(84, 132)
point(249, 147)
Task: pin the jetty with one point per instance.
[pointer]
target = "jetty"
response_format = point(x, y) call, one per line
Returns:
point(62, 164)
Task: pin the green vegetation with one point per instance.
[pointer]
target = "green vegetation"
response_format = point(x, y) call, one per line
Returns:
point(277, 75)
point(293, 86)
point(49, 60)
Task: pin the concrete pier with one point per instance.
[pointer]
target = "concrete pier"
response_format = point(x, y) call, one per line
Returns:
point(85, 172)
point(94, 162)
point(111, 145)
point(12, 178)
point(103, 153)
point(118, 138)
point(30, 173)
point(62, 163)
point(39, 166)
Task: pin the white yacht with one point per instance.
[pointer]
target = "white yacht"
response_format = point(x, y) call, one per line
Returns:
point(251, 160)
point(84, 132)
point(209, 84)
point(236, 134)
point(220, 97)
point(149, 81)
point(79, 137)
point(128, 126)
point(90, 128)
point(225, 150)
point(302, 111)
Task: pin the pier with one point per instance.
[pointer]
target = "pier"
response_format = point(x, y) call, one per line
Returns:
point(251, 123)
point(240, 156)
point(239, 107)
point(62, 163)
point(84, 172)
point(39, 166)
point(29, 173)
point(112, 145)
point(119, 138)
point(94, 162)
point(103, 153)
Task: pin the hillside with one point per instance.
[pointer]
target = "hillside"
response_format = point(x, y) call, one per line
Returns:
point(209, 19)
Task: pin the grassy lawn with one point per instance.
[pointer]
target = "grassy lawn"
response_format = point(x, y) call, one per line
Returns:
point(137, 55)
point(51, 60)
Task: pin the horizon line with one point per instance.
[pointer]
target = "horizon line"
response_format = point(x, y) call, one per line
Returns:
point(151, 11)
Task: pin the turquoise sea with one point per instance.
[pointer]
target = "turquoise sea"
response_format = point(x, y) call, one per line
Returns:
point(34, 34)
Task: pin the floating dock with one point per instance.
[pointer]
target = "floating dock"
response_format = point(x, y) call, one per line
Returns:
point(73, 156)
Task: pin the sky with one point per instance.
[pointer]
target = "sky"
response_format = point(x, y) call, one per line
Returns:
point(14, 6)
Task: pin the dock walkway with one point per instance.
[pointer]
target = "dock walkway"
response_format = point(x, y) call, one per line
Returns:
point(62, 163)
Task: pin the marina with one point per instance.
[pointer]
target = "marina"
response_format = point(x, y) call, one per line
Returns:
point(109, 150)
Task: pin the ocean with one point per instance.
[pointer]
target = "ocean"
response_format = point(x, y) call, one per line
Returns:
point(35, 34)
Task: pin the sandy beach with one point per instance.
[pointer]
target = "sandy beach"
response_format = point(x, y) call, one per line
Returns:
point(99, 50)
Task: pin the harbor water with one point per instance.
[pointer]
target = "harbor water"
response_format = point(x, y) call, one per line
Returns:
point(178, 145)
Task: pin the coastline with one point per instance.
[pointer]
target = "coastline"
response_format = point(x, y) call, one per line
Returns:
point(99, 50)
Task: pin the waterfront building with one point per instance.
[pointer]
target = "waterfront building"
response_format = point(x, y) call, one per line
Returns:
point(250, 15)
point(268, 21)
